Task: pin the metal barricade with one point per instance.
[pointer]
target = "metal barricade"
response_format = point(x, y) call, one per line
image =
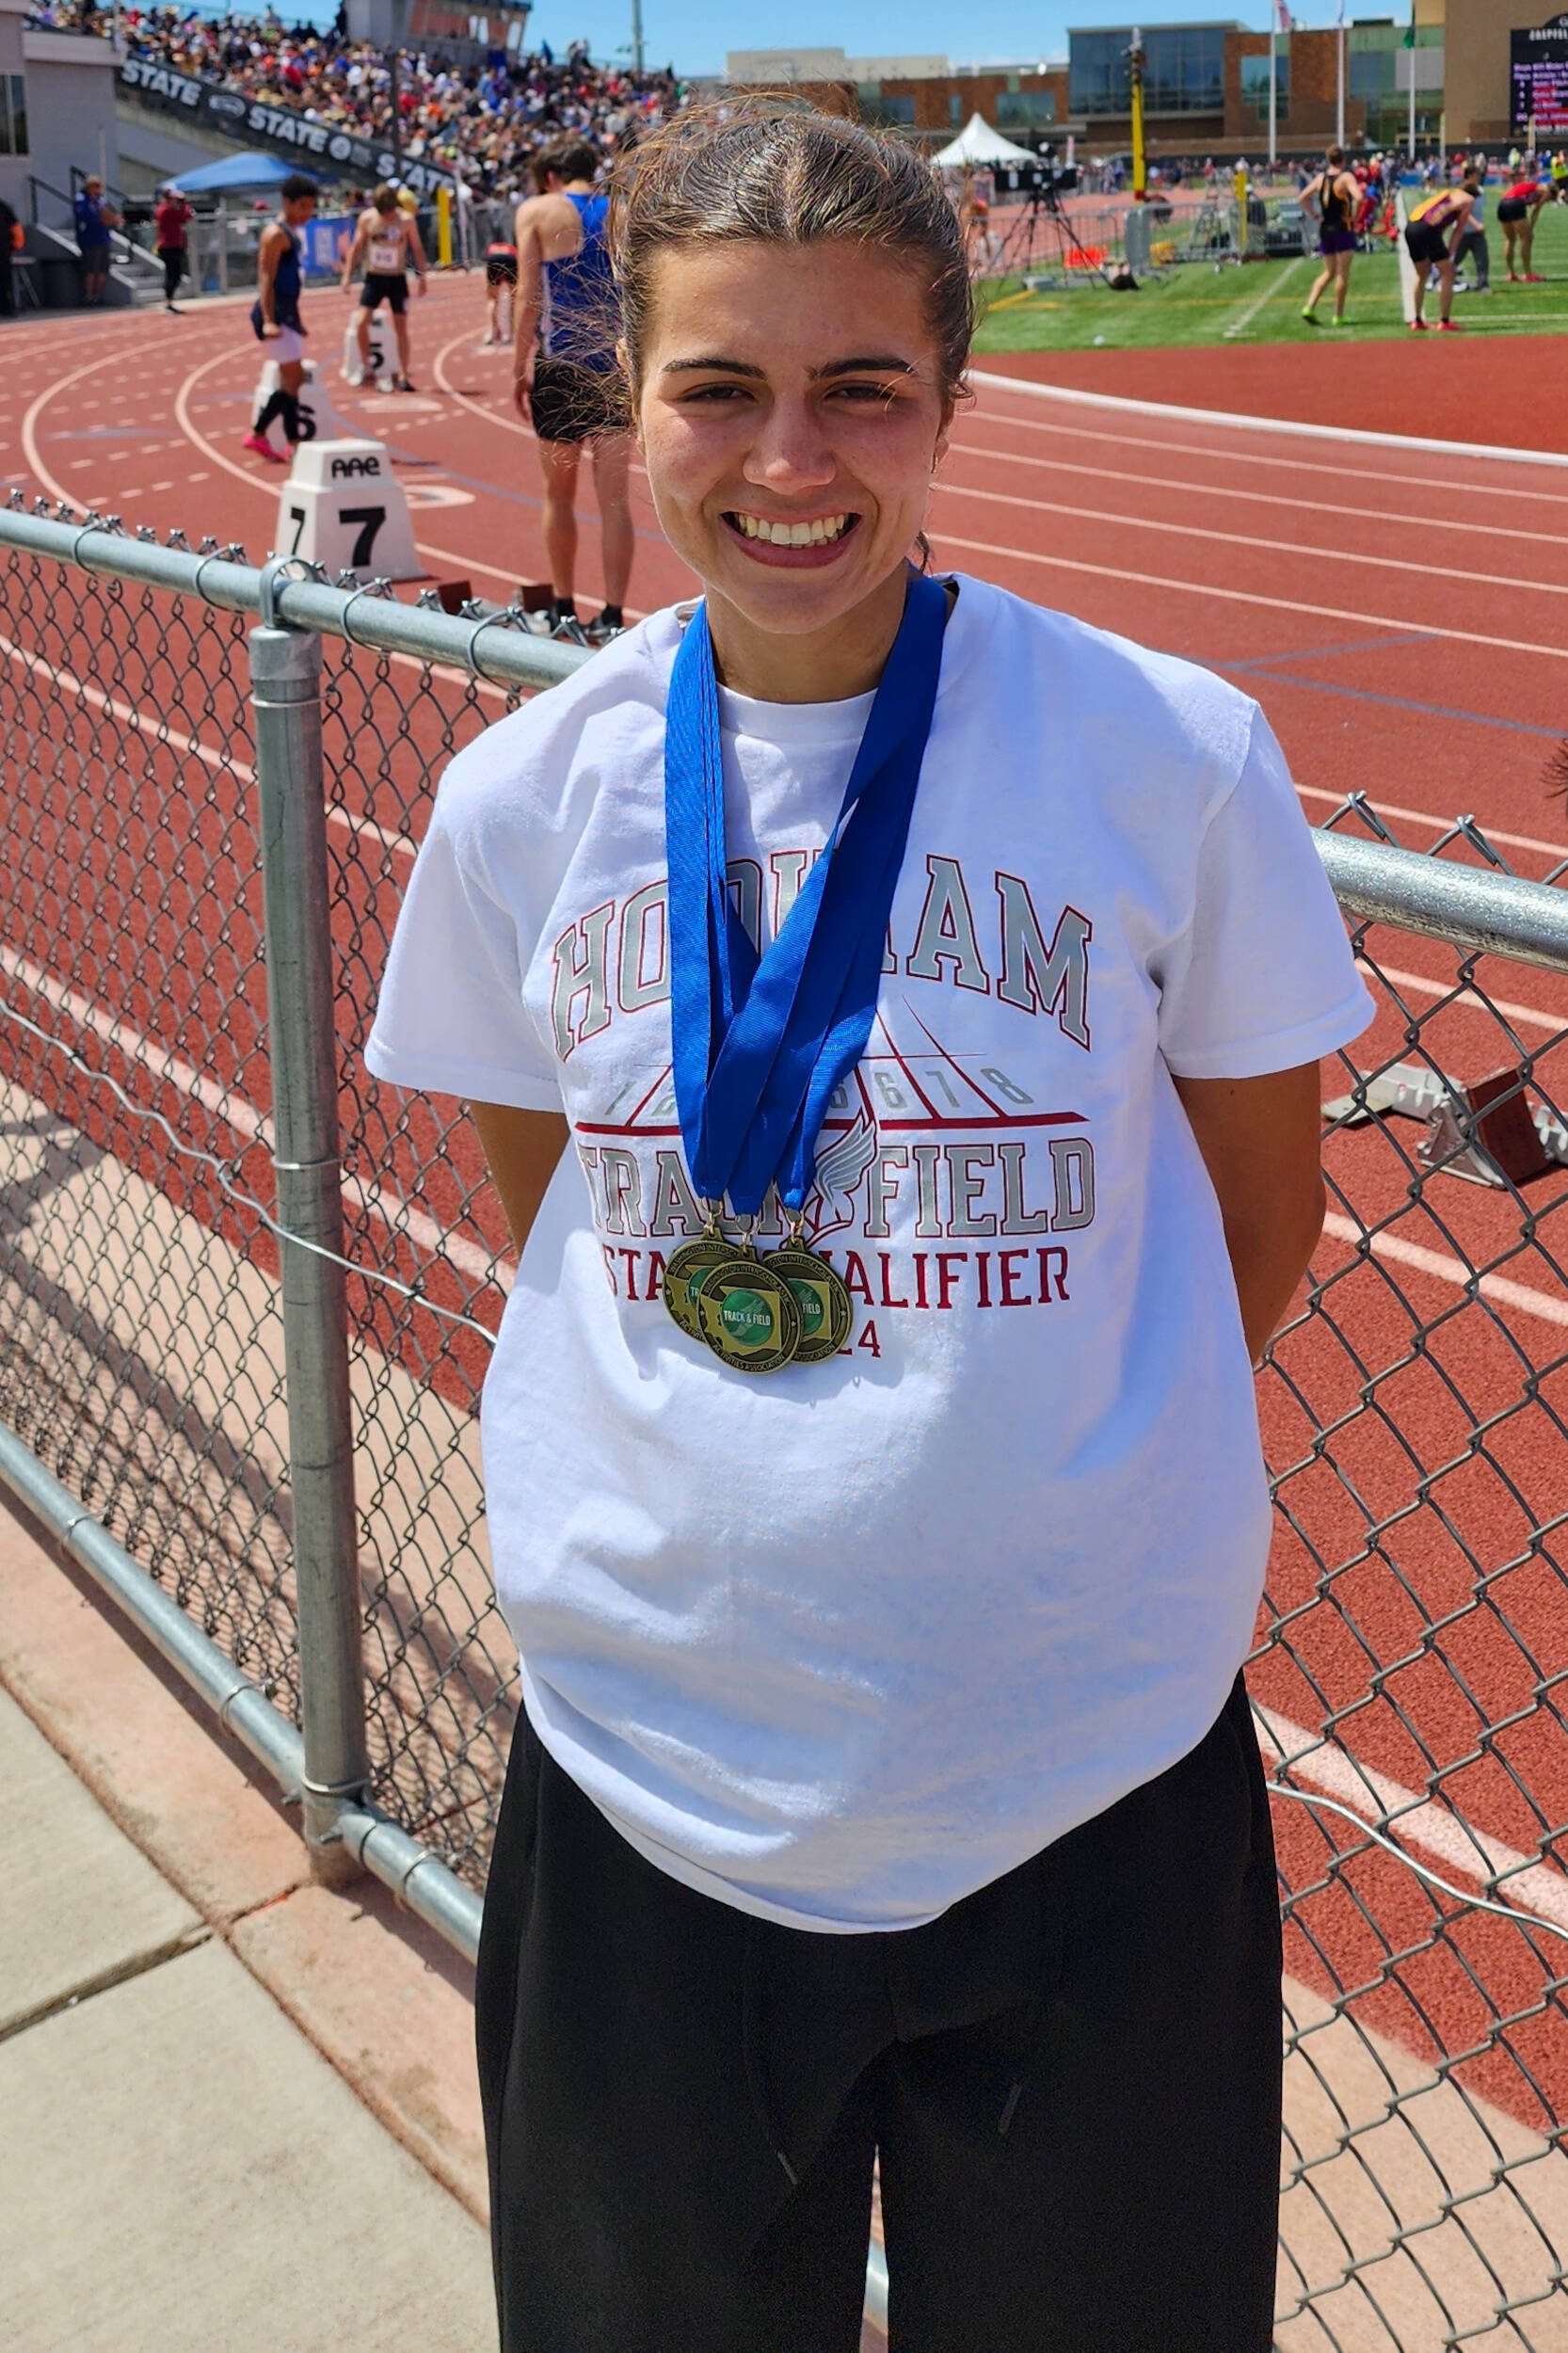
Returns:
point(227, 1252)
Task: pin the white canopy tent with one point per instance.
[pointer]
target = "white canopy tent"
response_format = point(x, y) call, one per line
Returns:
point(976, 143)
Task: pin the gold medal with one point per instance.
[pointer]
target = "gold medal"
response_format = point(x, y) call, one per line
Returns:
point(826, 1310)
point(685, 1269)
point(747, 1313)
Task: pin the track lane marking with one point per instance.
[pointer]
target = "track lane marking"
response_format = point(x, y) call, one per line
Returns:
point(166, 1068)
point(966, 448)
point(1519, 1296)
point(1342, 474)
point(1246, 539)
point(1321, 1763)
point(1156, 410)
point(1244, 595)
point(1555, 850)
point(220, 761)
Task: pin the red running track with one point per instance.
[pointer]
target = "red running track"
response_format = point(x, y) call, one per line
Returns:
point(1401, 615)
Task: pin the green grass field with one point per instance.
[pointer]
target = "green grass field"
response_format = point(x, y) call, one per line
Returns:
point(1260, 302)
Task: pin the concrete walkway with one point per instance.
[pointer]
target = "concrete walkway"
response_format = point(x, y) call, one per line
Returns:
point(183, 2163)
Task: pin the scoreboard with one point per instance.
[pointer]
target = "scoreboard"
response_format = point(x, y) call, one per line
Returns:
point(1539, 58)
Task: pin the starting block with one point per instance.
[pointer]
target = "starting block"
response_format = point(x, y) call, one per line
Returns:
point(1487, 1132)
point(343, 507)
point(381, 347)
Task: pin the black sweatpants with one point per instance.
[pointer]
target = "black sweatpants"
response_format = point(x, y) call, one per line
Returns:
point(1071, 2080)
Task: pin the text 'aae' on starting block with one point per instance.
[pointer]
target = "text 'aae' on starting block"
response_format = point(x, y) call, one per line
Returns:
point(343, 507)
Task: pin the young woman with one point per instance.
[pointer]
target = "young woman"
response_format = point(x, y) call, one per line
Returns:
point(874, 1477)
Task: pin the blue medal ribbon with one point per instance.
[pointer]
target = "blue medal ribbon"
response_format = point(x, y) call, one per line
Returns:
point(760, 1044)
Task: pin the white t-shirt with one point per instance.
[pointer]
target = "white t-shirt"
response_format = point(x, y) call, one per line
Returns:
point(842, 1644)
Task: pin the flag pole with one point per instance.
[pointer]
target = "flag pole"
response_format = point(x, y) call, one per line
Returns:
point(1273, 92)
point(1412, 80)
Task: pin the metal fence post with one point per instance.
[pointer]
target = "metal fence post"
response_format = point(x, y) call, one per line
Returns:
point(285, 680)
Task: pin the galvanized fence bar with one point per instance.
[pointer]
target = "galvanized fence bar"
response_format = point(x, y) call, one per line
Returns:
point(285, 675)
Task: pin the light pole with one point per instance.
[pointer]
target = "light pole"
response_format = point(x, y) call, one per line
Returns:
point(1135, 77)
point(636, 36)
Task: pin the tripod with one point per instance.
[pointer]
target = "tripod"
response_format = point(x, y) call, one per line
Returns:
point(1044, 231)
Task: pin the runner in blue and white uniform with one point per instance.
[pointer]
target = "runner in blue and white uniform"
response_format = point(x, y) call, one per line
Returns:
point(275, 318)
point(566, 382)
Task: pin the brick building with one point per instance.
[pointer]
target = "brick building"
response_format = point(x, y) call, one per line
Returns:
point(1207, 84)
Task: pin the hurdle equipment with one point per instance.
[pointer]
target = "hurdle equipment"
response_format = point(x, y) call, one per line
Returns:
point(343, 507)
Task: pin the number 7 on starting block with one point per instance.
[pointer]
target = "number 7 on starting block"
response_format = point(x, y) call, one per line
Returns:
point(343, 507)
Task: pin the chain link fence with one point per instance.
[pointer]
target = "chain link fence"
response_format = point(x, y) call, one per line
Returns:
point(1413, 1642)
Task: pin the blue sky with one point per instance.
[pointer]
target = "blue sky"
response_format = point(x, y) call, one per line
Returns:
point(694, 34)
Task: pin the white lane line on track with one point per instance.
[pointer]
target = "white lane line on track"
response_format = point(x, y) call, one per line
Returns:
point(160, 733)
point(1437, 1263)
point(1244, 318)
point(1318, 1763)
point(1060, 431)
point(1156, 412)
point(1554, 850)
point(166, 1068)
point(30, 423)
point(1530, 1016)
point(1244, 539)
point(1244, 596)
point(1189, 488)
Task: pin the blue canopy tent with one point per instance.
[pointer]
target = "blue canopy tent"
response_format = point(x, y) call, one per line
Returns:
point(251, 170)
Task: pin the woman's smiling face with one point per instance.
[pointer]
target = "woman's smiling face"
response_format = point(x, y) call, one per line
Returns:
point(790, 413)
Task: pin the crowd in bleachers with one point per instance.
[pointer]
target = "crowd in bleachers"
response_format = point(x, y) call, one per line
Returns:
point(481, 123)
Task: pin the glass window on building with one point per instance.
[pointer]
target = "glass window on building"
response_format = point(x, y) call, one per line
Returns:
point(13, 114)
point(1025, 109)
point(877, 108)
point(1255, 85)
point(955, 106)
point(1097, 79)
point(1185, 73)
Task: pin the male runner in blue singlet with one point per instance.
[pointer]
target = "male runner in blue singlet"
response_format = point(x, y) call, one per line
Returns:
point(566, 381)
point(275, 314)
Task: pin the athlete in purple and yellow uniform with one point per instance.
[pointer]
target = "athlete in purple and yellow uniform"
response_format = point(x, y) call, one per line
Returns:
point(567, 384)
point(1431, 235)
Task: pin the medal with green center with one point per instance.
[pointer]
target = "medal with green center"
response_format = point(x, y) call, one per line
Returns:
point(826, 1310)
point(748, 1314)
point(685, 1269)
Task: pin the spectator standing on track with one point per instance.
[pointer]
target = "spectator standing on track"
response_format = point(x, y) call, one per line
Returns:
point(171, 221)
point(1334, 198)
point(94, 220)
point(1471, 246)
point(886, 1782)
point(1433, 231)
point(275, 318)
point(566, 380)
point(1519, 210)
point(500, 277)
point(387, 239)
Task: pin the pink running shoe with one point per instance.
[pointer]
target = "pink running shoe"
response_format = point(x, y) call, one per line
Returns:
point(1419, 327)
point(258, 446)
point(1449, 327)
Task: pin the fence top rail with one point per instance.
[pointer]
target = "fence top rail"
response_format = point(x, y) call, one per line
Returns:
point(494, 648)
point(1469, 907)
